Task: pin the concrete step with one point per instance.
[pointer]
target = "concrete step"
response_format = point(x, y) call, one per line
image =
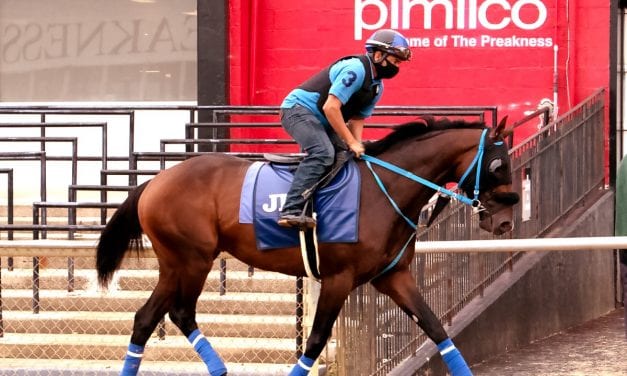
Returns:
point(26, 211)
point(60, 218)
point(76, 367)
point(131, 301)
point(133, 279)
point(129, 262)
point(121, 323)
point(172, 348)
point(252, 326)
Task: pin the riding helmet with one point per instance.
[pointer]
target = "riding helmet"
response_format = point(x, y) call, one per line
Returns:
point(391, 42)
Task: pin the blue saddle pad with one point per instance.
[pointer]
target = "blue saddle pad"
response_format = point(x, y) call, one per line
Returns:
point(265, 189)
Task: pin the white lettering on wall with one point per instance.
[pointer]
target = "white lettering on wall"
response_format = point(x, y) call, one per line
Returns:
point(458, 14)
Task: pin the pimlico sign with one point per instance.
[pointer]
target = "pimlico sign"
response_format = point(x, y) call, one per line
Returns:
point(458, 23)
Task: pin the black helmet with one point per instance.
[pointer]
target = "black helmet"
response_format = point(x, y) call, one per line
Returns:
point(391, 42)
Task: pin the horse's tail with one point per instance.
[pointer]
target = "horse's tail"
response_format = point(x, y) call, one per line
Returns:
point(122, 233)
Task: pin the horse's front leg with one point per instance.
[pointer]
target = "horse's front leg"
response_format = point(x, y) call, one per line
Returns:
point(333, 292)
point(400, 286)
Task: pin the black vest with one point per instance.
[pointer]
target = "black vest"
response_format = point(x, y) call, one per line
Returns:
point(320, 83)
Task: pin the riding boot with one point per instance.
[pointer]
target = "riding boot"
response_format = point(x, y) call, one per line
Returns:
point(298, 208)
point(302, 218)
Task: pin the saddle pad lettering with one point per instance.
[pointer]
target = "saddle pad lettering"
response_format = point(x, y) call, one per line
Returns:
point(265, 189)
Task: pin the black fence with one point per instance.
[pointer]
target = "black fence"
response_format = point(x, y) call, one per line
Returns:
point(556, 169)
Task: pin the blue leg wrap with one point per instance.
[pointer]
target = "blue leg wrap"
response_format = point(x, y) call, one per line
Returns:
point(214, 363)
point(132, 360)
point(302, 367)
point(453, 359)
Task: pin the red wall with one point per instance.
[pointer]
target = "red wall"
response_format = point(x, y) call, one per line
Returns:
point(276, 44)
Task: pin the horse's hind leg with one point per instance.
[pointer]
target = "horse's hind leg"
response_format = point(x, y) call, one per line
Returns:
point(146, 320)
point(183, 315)
point(401, 287)
point(176, 292)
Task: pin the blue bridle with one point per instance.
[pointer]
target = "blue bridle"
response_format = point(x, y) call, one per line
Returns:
point(474, 202)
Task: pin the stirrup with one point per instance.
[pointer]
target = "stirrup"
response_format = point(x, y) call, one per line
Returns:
point(295, 220)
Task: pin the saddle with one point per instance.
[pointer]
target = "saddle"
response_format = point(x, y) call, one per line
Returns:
point(341, 157)
point(264, 190)
point(307, 235)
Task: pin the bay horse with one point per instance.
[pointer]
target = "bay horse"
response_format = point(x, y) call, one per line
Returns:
point(190, 214)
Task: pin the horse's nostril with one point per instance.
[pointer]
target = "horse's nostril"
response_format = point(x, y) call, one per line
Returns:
point(506, 227)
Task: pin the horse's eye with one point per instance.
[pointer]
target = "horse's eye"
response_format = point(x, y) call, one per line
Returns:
point(494, 165)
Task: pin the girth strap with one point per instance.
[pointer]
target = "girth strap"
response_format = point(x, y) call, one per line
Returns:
point(309, 245)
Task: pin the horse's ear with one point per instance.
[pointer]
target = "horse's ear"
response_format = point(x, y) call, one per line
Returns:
point(500, 131)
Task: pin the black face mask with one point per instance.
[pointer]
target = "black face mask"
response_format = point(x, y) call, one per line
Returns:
point(388, 71)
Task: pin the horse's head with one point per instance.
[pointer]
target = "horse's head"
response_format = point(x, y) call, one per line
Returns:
point(444, 154)
point(495, 193)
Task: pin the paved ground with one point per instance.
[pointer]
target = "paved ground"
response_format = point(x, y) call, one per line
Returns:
point(597, 348)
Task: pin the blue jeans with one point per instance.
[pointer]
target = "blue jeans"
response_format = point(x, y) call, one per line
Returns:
point(318, 142)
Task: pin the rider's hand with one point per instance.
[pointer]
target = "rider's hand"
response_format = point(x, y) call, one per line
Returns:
point(357, 148)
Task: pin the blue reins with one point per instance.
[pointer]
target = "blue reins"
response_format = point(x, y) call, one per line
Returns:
point(475, 203)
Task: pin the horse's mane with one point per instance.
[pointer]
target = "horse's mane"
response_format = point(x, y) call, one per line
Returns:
point(422, 126)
